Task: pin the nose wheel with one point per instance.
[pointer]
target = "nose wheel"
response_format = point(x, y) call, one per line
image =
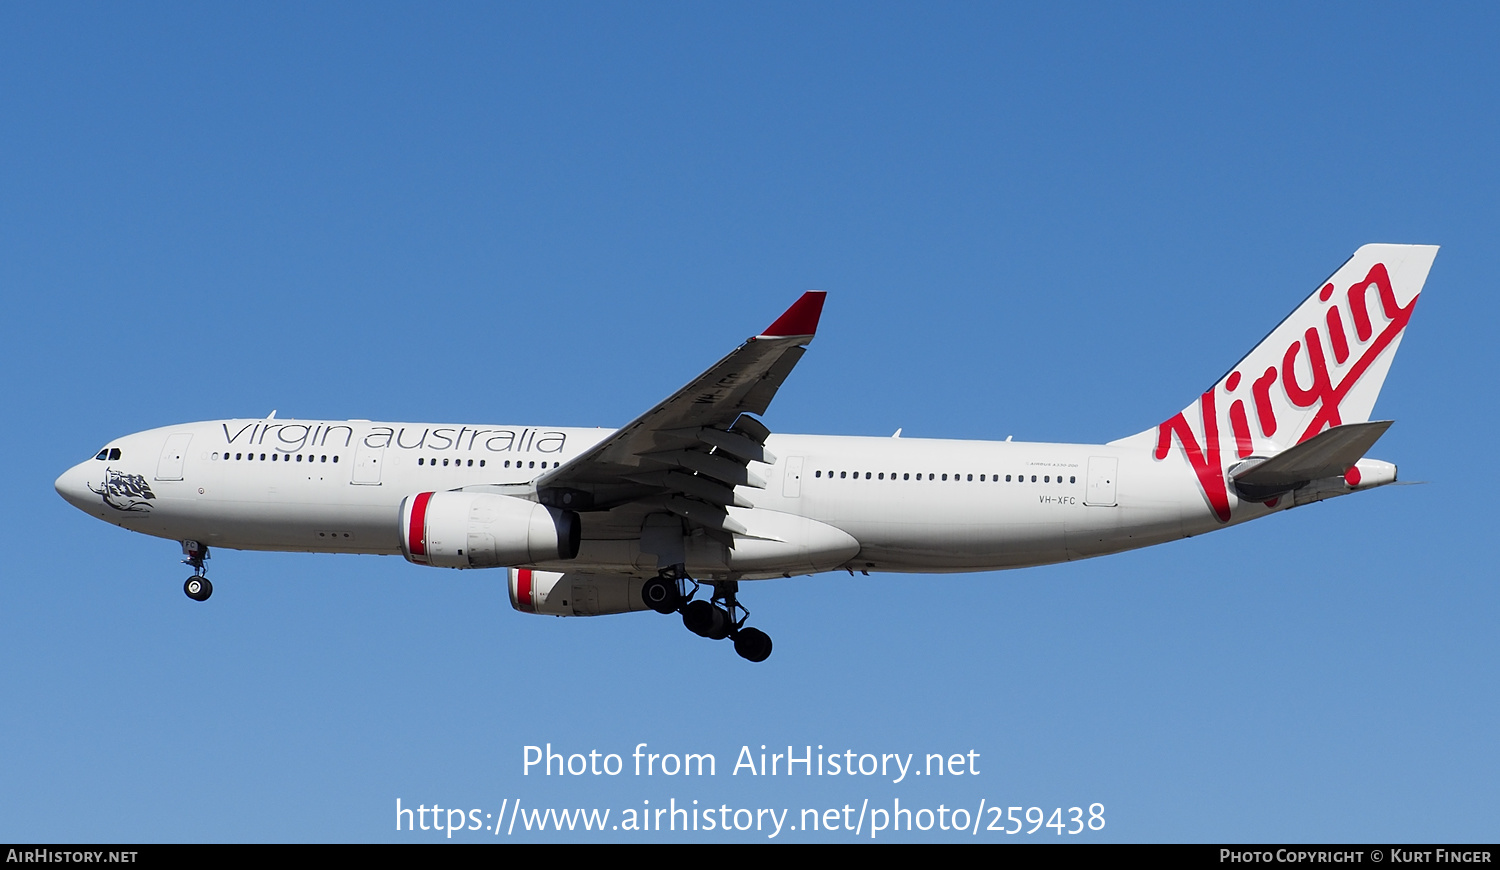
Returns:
point(197, 586)
point(720, 616)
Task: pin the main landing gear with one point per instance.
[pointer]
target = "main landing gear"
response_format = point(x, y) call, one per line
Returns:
point(716, 618)
point(197, 586)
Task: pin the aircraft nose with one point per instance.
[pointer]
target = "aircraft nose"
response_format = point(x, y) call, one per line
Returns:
point(73, 486)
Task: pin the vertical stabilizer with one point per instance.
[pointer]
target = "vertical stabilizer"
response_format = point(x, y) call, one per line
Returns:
point(1322, 366)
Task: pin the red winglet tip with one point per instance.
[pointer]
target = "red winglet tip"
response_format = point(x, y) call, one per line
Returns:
point(801, 318)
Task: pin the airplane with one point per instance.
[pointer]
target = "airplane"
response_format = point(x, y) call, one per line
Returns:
point(698, 491)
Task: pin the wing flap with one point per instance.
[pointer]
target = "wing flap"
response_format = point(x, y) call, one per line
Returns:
point(737, 445)
point(714, 466)
point(704, 515)
point(695, 485)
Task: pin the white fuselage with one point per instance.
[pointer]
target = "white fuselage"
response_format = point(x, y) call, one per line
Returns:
point(908, 504)
point(596, 521)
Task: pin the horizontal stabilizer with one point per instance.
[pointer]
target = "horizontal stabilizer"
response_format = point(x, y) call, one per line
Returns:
point(1328, 454)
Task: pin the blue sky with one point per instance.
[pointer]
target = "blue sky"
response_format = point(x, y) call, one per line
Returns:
point(1057, 222)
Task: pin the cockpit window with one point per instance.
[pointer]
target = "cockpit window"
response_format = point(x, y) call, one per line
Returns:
point(114, 453)
point(109, 453)
point(103, 454)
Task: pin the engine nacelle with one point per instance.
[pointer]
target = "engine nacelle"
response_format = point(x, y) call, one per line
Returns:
point(481, 530)
point(554, 594)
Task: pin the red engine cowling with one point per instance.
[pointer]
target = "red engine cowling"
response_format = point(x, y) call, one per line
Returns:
point(554, 594)
point(480, 530)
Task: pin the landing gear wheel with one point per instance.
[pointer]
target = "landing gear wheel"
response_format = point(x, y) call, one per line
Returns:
point(198, 588)
point(706, 620)
point(662, 595)
point(753, 644)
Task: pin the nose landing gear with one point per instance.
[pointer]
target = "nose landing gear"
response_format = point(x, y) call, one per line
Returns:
point(720, 616)
point(197, 586)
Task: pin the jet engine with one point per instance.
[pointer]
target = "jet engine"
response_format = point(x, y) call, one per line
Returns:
point(554, 594)
point(480, 530)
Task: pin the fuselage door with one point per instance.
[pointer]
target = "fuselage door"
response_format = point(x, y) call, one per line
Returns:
point(791, 482)
point(367, 462)
point(1102, 479)
point(172, 456)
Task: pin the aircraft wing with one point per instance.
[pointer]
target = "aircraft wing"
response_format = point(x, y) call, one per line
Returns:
point(693, 447)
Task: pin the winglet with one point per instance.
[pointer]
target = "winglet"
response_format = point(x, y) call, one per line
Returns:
point(800, 319)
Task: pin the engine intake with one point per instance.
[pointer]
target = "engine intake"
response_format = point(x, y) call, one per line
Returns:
point(480, 530)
